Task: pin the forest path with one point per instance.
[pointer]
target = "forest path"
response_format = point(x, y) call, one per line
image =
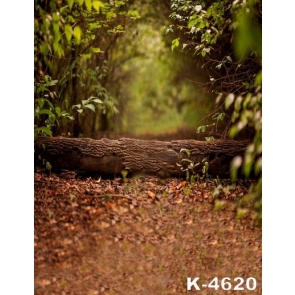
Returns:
point(143, 235)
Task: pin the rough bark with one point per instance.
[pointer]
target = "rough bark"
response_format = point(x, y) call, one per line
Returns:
point(149, 157)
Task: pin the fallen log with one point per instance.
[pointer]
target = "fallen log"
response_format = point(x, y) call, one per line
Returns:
point(148, 157)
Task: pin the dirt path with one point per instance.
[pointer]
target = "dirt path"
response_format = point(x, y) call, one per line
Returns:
point(139, 236)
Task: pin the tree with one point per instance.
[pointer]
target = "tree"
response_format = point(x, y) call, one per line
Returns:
point(228, 36)
point(72, 40)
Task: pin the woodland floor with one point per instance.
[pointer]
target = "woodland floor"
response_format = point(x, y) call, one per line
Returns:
point(141, 235)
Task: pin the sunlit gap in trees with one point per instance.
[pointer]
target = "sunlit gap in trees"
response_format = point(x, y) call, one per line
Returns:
point(161, 97)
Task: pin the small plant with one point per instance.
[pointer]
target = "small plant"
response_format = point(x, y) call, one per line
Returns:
point(216, 192)
point(126, 189)
point(220, 189)
point(50, 214)
point(87, 104)
point(48, 166)
point(219, 205)
point(46, 114)
point(106, 198)
point(72, 197)
point(218, 117)
point(189, 167)
point(186, 191)
point(242, 213)
point(203, 128)
point(124, 173)
point(205, 169)
point(44, 165)
point(164, 194)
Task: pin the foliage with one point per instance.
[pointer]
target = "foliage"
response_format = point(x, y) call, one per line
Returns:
point(227, 34)
point(149, 85)
point(59, 26)
point(190, 167)
point(46, 115)
point(71, 44)
point(87, 104)
point(216, 116)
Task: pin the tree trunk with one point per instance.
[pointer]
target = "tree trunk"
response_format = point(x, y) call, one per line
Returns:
point(149, 157)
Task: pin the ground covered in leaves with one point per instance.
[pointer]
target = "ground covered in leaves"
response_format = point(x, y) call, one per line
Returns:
point(141, 235)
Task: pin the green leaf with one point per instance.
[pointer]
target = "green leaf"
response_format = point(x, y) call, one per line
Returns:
point(90, 106)
point(67, 115)
point(86, 55)
point(40, 102)
point(48, 166)
point(70, 3)
point(110, 15)
point(248, 165)
point(44, 129)
point(175, 43)
point(52, 82)
point(119, 3)
point(242, 213)
point(49, 103)
point(238, 103)
point(72, 197)
point(50, 214)
point(186, 160)
point(247, 37)
point(210, 138)
point(258, 166)
point(64, 9)
point(229, 100)
point(51, 94)
point(80, 2)
point(170, 150)
point(45, 112)
point(258, 78)
point(88, 5)
point(219, 205)
point(97, 5)
point(77, 34)
point(97, 100)
point(93, 26)
point(233, 131)
point(55, 16)
point(221, 117)
point(236, 163)
point(76, 106)
point(57, 110)
point(133, 14)
point(187, 151)
point(96, 50)
point(68, 32)
point(58, 49)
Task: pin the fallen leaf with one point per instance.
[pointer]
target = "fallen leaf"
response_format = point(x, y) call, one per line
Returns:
point(182, 184)
point(151, 194)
